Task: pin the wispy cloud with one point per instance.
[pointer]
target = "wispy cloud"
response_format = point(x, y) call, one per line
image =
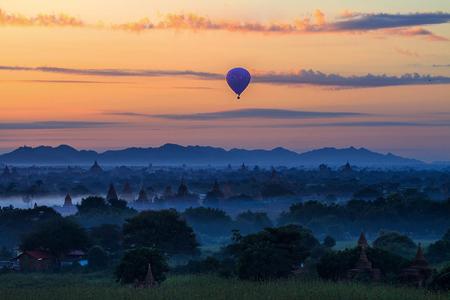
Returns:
point(349, 22)
point(364, 124)
point(406, 52)
point(65, 81)
point(303, 77)
point(251, 113)
point(115, 72)
point(54, 125)
point(416, 31)
point(441, 66)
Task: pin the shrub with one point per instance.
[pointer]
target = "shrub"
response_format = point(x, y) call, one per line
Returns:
point(97, 258)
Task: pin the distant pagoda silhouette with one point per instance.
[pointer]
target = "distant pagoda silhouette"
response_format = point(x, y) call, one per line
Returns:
point(6, 172)
point(142, 197)
point(112, 194)
point(95, 168)
point(68, 201)
point(127, 192)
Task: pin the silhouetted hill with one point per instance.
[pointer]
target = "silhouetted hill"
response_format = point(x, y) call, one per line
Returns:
point(172, 154)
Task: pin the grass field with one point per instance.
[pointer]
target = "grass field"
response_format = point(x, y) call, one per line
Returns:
point(96, 286)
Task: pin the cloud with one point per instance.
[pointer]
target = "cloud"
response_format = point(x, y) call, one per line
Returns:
point(407, 52)
point(416, 31)
point(312, 77)
point(364, 22)
point(65, 81)
point(302, 77)
point(363, 124)
point(54, 125)
point(115, 72)
point(348, 22)
point(251, 113)
point(441, 66)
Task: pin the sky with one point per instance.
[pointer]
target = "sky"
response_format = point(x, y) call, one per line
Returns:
point(104, 74)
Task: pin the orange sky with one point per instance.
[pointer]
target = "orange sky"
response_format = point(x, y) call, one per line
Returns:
point(419, 114)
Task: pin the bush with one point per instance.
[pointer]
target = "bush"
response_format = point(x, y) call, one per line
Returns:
point(134, 266)
point(441, 281)
point(97, 258)
point(205, 266)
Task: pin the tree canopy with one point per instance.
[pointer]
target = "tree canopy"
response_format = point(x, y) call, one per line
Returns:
point(164, 230)
point(57, 237)
point(272, 253)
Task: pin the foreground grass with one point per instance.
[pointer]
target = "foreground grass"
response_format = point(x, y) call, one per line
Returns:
point(95, 286)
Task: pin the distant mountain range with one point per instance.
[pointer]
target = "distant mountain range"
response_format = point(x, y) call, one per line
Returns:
point(172, 154)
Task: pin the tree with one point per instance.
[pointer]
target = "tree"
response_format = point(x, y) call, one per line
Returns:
point(439, 251)
point(249, 222)
point(329, 242)
point(446, 236)
point(272, 253)
point(57, 237)
point(108, 236)
point(396, 243)
point(97, 258)
point(164, 230)
point(134, 266)
point(92, 204)
point(334, 265)
point(441, 281)
point(208, 220)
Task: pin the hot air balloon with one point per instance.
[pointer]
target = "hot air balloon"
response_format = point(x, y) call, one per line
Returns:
point(238, 80)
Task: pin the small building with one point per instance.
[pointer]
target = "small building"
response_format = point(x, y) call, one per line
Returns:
point(419, 272)
point(37, 260)
point(74, 257)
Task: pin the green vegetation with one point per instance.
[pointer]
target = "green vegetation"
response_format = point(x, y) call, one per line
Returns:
point(97, 286)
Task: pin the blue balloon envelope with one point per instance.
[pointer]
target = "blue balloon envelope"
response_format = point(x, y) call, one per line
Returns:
point(238, 79)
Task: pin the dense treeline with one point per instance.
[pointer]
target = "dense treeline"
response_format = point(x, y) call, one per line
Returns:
point(422, 218)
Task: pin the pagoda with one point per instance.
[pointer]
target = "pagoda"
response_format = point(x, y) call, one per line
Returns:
point(95, 169)
point(127, 192)
point(6, 172)
point(183, 190)
point(418, 272)
point(142, 198)
point(68, 201)
point(362, 241)
point(112, 194)
point(363, 268)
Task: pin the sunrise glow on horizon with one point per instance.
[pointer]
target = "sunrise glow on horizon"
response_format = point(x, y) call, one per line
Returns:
point(114, 74)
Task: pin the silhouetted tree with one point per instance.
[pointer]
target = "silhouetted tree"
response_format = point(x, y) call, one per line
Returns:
point(164, 230)
point(134, 266)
